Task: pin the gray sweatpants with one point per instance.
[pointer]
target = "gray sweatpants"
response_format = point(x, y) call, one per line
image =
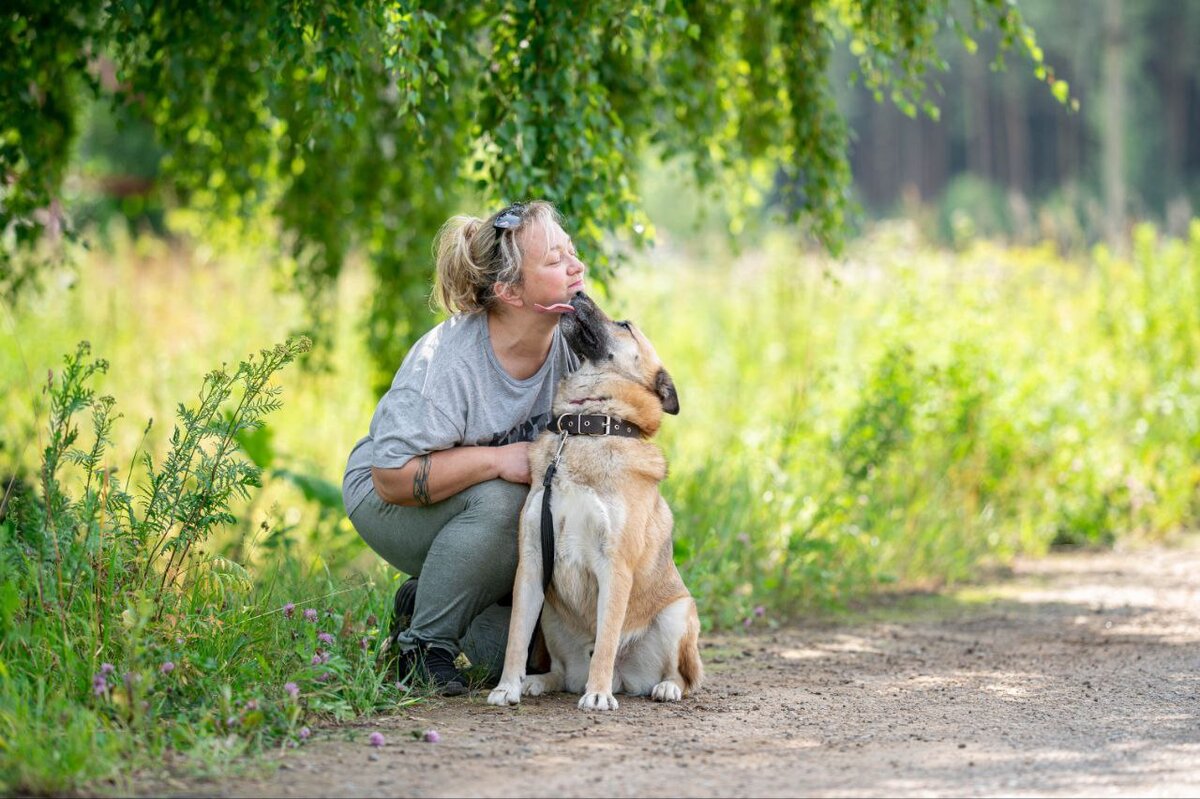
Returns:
point(464, 550)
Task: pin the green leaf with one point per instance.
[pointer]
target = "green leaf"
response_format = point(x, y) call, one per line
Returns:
point(314, 488)
point(258, 444)
point(1061, 90)
point(10, 601)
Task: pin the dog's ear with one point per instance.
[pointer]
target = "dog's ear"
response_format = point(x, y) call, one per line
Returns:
point(664, 386)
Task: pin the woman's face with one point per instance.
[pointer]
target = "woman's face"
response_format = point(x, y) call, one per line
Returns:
point(551, 272)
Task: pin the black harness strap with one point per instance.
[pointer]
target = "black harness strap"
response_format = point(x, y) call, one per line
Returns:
point(547, 537)
point(548, 525)
point(548, 517)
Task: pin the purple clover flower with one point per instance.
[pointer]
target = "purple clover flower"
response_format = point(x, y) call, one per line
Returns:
point(310, 614)
point(304, 733)
point(99, 685)
point(167, 667)
point(289, 610)
point(316, 659)
point(363, 643)
point(431, 737)
point(324, 676)
point(760, 611)
point(292, 689)
point(107, 668)
point(325, 638)
point(376, 739)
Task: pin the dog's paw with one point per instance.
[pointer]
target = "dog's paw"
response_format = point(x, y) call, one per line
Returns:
point(538, 684)
point(666, 691)
point(505, 694)
point(598, 700)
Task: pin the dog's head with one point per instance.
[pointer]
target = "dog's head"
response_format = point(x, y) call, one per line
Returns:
point(619, 357)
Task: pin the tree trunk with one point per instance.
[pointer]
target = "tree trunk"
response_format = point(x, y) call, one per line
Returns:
point(1016, 135)
point(978, 125)
point(1113, 132)
point(937, 154)
point(1176, 108)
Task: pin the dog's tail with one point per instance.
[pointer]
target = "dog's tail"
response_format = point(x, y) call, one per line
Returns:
point(690, 667)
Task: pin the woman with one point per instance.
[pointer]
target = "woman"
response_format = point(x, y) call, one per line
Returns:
point(437, 484)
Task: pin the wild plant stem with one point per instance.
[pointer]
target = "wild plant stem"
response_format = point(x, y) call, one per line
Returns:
point(129, 474)
point(194, 442)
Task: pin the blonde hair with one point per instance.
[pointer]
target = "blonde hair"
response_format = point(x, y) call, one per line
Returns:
point(473, 255)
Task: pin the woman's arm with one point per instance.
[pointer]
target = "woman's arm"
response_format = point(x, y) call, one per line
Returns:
point(427, 479)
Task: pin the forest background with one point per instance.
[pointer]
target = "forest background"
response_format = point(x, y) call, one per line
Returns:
point(945, 312)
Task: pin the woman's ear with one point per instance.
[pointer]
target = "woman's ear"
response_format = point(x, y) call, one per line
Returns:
point(664, 386)
point(508, 294)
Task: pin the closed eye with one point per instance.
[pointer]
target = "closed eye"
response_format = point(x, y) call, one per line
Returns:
point(626, 326)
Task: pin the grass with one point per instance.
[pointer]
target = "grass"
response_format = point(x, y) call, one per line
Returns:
point(894, 420)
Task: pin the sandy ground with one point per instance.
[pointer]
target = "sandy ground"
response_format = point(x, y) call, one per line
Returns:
point(1078, 675)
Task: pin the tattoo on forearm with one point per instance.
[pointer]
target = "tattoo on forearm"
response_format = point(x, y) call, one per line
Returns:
point(421, 481)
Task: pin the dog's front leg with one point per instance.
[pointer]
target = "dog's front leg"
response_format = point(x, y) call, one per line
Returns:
point(613, 600)
point(528, 597)
point(527, 604)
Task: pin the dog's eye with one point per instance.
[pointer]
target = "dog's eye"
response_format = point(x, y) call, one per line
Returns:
point(625, 325)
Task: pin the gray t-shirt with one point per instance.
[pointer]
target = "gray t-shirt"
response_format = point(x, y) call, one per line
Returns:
point(451, 391)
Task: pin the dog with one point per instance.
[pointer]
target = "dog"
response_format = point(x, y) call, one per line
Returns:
point(617, 617)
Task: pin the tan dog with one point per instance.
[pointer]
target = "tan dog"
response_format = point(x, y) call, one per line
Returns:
point(617, 617)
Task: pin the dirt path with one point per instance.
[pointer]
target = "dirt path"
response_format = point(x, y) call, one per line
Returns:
point(1080, 675)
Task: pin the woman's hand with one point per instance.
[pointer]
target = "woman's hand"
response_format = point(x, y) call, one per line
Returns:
point(512, 462)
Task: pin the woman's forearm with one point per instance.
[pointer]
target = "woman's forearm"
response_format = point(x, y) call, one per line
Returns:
point(431, 478)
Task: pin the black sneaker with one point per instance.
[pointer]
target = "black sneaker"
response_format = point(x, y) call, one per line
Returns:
point(436, 667)
point(403, 605)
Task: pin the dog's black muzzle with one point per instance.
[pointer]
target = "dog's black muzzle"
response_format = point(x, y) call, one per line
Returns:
point(586, 330)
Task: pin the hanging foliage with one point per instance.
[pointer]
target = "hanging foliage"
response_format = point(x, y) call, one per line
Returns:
point(362, 125)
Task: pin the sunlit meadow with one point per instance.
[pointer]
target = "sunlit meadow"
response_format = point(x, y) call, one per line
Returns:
point(895, 418)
